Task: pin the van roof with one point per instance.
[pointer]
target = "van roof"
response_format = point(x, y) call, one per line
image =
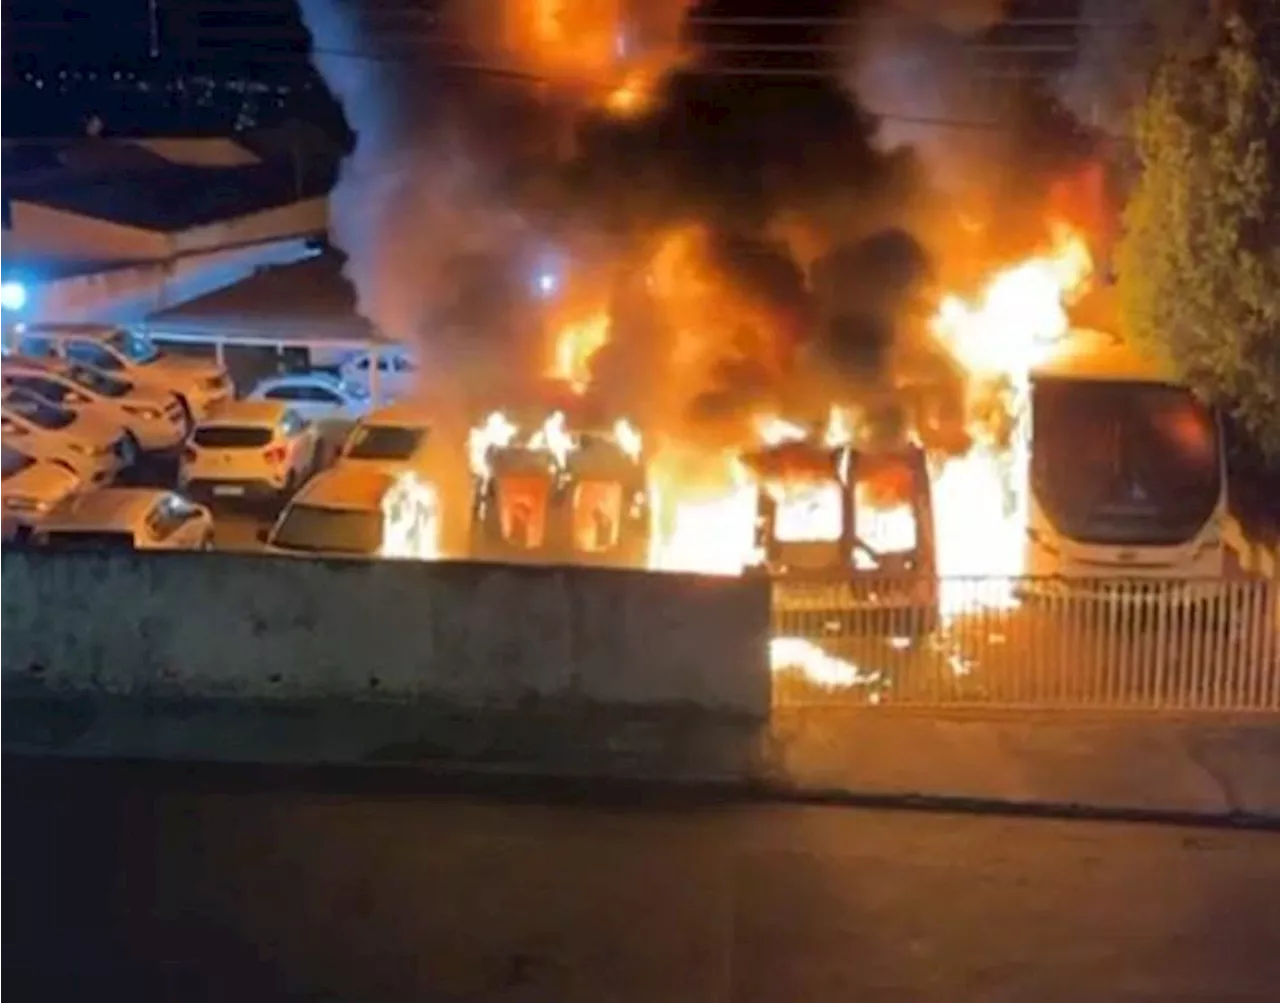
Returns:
point(1088, 354)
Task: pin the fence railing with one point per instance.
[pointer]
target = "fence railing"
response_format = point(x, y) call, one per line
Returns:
point(1033, 643)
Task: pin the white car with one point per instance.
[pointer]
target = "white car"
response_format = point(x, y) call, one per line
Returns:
point(359, 513)
point(154, 418)
point(199, 384)
point(394, 377)
point(127, 518)
point(32, 489)
point(390, 439)
point(95, 447)
point(315, 396)
point(249, 450)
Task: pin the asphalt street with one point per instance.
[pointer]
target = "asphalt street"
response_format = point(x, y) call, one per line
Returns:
point(129, 882)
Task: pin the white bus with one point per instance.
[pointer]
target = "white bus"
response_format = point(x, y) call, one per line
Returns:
point(1127, 472)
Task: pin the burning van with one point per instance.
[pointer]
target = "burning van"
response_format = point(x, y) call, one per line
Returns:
point(559, 496)
point(848, 529)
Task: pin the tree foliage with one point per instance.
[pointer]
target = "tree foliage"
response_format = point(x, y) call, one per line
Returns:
point(1199, 264)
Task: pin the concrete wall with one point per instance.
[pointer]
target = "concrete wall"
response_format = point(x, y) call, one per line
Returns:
point(200, 625)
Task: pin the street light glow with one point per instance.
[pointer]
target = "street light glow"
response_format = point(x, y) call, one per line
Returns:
point(13, 295)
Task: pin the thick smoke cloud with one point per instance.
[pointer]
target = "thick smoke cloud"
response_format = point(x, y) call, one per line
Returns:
point(759, 242)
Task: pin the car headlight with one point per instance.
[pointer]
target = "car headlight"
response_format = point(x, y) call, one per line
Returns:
point(22, 504)
point(139, 411)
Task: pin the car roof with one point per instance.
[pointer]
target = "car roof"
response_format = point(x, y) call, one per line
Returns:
point(282, 379)
point(398, 414)
point(34, 364)
point(246, 412)
point(346, 488)
point(106, 508)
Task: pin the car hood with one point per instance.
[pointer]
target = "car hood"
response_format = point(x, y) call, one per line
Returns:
point(95, 428)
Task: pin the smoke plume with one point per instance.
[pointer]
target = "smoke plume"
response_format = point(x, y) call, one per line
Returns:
point(759, 241)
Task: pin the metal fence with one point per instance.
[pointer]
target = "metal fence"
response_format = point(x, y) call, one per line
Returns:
point(1028, 643)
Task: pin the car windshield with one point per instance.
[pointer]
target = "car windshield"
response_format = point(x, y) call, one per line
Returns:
point(231, 436)
point(135, 347)
point(15, 462)
point(384, 442)
point(98, 381)
point(315, 529)
point(38, 411)
point(1124, 463)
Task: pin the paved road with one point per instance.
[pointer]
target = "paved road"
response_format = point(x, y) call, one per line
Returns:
point(122, 884)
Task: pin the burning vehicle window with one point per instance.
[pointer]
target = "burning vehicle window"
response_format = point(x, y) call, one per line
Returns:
point(884, 506)
point(597, 511)
point(330, 530)
point(1125, 463)
point(385, 442)
point(808, 511)
point(231, 436)
point(522, 506)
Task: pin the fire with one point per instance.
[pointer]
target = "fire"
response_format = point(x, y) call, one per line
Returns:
point(496, 432)
point(704, 514)
point(554, 437)
point(980, 499)
point(410, 520)
point(628, 438)
point(631, 96)
point(575, 345)
point(797, 655)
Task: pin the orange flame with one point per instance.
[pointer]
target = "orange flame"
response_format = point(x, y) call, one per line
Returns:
point(410, 520)
point(980, 499)
point(576, 344)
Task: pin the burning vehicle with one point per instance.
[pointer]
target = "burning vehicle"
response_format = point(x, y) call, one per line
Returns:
point(848, 529)
point(556, 495)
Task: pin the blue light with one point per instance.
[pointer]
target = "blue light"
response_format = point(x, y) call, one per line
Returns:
point(13, 295)
point(547, 283)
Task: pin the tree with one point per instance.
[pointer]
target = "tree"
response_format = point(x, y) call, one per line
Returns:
point(1199, 263)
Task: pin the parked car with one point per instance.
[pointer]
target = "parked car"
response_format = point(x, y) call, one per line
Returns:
point(199, 384)
point(358, 513)
point(127, 518)
point(315, 396)
point(249, 449)
point(391, 439)
point(32, 489)
point(154, 417)
point(95, 447)
point(394, 377)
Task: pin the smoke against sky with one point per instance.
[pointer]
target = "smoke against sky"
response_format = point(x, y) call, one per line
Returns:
point(758, 241)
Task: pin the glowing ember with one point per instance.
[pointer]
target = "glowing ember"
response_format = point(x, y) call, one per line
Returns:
point(410, 520)
point(840, 428)
point(575, 345)
point(980, 499)
point(795, 654)
point(631, 96)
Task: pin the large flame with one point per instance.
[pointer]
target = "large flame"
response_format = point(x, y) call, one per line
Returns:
point(410, 520)
point(980, 499)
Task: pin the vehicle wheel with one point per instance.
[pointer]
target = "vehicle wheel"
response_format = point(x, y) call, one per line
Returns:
point(187, 417)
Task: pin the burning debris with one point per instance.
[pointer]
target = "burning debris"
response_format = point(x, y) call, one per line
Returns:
point(555, 494)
